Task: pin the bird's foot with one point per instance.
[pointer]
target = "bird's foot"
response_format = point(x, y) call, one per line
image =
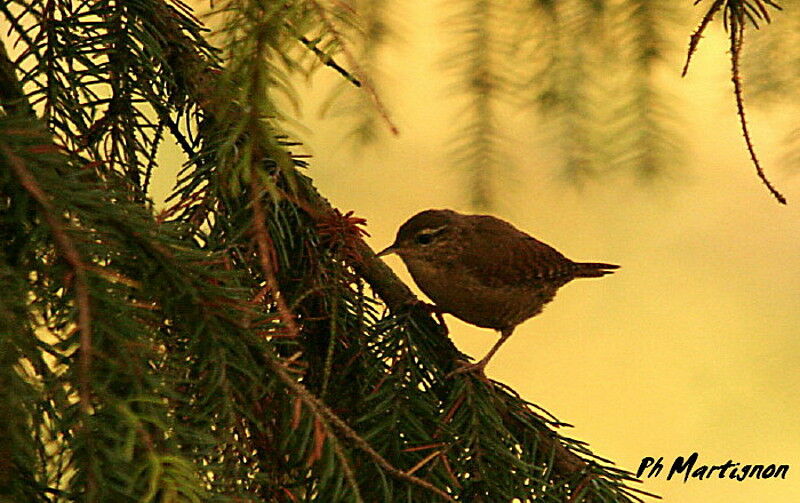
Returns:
point(475, 369)
point(431, 309)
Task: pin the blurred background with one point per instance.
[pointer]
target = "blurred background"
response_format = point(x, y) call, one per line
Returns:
point(574, 124)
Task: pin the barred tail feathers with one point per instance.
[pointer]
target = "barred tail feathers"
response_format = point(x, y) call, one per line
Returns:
point(593, 269)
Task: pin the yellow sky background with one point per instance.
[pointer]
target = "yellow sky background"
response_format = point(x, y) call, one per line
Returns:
point(693, 345)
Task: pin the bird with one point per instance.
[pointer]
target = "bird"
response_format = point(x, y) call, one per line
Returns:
point(483, 270)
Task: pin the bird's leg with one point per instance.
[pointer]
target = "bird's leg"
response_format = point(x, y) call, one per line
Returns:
point(432, 309)
point(480, 365)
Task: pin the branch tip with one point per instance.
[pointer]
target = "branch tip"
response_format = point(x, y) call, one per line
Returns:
point(737, 39)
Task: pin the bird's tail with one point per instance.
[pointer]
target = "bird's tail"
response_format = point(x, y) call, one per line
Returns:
point(593, 269)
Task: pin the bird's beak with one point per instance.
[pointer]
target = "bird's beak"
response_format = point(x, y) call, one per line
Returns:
point(387, 251)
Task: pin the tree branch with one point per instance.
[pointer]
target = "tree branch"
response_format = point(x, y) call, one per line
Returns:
point(12, 97)
point(694, 40)
point(321, 410)
point(73, 258)
point(737, 38)
point(734, 21)
point(363, 80)
point(200, 77)
point(265, 253)
point(312, 402)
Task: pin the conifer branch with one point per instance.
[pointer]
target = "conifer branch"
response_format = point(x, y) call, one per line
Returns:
point(351, 60)
point(578, 494)
point(373, 32)
point(326, 60)
point(231, 370)
point(386, 284)
point(12, 97)
point(82, 296)
point(71, 255)
point(14, 101)
point(312, 402)
point(321, 410)
point(737, 39)
point(349, 474)
point(473, 60)
point(735, 15)
point(694, 40)
point(641, 138)
point(266, 252)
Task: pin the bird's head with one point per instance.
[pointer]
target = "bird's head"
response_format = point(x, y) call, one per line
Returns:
point(428, 235)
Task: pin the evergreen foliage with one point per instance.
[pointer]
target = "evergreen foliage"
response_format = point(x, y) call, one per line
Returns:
point(372, 32)
point(474, 60)
point(234, 347)
point(565, 61)
point(591, 74)
point(772, 71)
point(736, 16)
point(646, 128)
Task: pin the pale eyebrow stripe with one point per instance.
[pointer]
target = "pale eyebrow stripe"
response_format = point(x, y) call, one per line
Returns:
point(432, 232)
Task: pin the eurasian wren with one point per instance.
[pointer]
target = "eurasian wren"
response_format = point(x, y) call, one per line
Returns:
point(484, 270)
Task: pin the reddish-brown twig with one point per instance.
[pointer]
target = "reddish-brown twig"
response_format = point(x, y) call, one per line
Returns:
point(356, 68)
point(266, 254)
point(737, 37)
point(694, 40)
point(321, 410)
point(68, 251)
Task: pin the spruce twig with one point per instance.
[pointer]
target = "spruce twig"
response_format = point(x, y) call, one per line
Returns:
point(737, 39)
point(351, 60)
point(70, 254)
point(736, 14)
point(694, 40)
point(265, 253)
point(312, 402)
point(321, 410)
point(328, 61)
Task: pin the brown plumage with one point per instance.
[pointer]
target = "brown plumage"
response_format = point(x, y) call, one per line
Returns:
point(484, 270)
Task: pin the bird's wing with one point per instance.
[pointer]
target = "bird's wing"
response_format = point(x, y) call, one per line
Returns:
point(505, 256)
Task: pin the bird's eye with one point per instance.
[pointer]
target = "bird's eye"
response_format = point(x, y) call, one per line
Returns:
point(424, 238)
